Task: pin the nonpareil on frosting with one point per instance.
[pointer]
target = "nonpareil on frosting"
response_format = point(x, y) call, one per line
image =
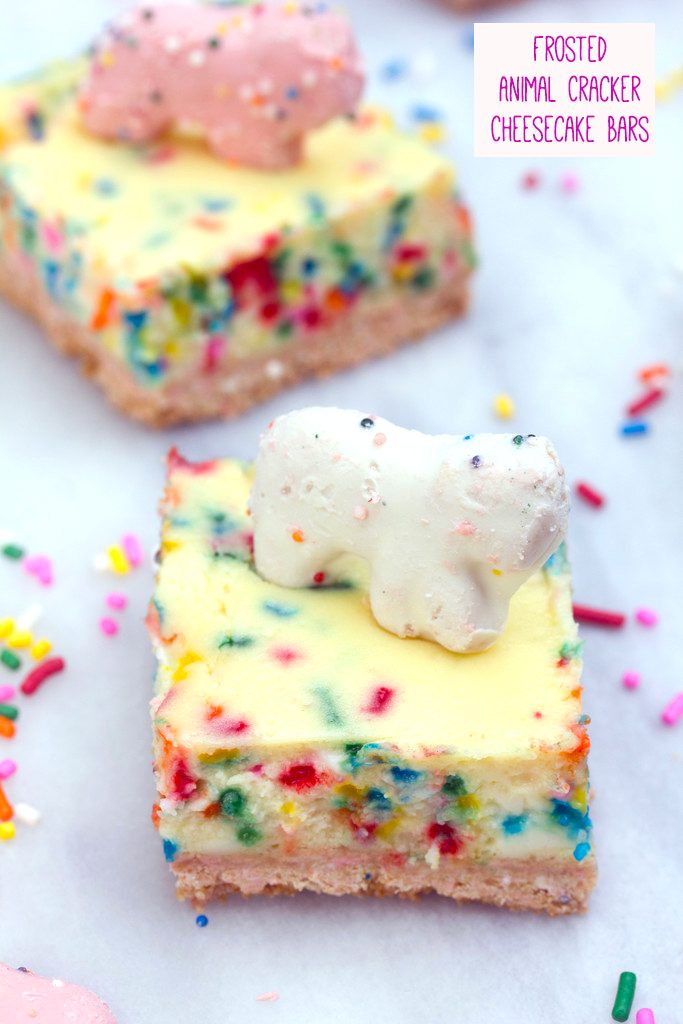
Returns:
point(254, 80)
point(451, 527)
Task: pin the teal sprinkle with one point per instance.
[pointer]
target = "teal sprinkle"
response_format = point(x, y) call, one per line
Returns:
point(329, 708)
point(402, 205)
point(233, 802)
point(283, 611)
point(454, 785)
point(248, 834)
point(234, 640)
point(170, 850)
point(404, 776)
point(581, 850)
point(514, 824)
point(570, 650)
point(316, 206)
point(379, 800)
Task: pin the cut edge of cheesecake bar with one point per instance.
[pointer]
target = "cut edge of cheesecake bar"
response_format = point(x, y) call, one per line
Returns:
point(373, 328)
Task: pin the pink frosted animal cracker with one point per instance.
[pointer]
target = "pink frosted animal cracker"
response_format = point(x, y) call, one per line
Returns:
point(255, 79)
point(26, 997)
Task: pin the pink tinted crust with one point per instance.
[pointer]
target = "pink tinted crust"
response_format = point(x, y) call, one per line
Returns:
point(256, 80)
point(25, 997)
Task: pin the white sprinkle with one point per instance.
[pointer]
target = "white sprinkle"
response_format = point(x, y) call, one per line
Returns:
point(265, 86)
point(26, 814)
point(101, 563)
point(57, 983)
point(309, 78)
point(274, 369)
point(196, 58)
point(28, 619)
point(360, 513)
point(172, 44)
point(246, 93)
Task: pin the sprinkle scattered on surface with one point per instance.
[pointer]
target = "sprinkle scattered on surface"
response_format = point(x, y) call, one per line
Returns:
point(109, 626)
point(646, 401)
point(570, 183)
point(624, 997)
point(635, 428)
point(647, 617)
point(645, 1016)
point(7, 692)
point(40, 674)
point(10, 659)
point(7, 768)
point(267, 997)
point(201, 920)
point(26, 814)
point(116, 601)
point(590, 495)
point(7, 830)
point(631, 680)
point(503, 406)
point(673, 711)
point(598, 617)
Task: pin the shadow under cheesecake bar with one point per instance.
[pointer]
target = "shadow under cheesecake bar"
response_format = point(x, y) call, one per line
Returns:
point(298, 745)
point(191, 289)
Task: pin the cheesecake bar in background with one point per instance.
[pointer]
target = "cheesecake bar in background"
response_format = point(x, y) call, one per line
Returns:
point(202, 216)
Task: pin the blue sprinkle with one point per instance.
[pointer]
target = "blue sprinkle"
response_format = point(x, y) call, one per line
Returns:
point(367, 876)
point(394, 69)
point(105, 187)
point(217, 205)
point(316, 206)
point(404, 776)
point(581, 850)
point(638, 427)
point(468, 39)
point(468, 437)
point(136, 319)
point(309, 266)
point(423, 112)
point(170, 850)
point(201, 920)
point(283, 611)
point(476, 461)
point(378, 799)
point(292, 93)
point(514, 824)
point(51, 275)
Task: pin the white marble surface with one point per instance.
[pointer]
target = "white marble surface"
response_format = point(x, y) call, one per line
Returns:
point(573, 295)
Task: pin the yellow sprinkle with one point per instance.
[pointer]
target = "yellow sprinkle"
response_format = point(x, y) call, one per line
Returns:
point(219, 755)
point(222, 28)
point(290, 291)
point(40, 649)
point(6, 627)
point(348, 791)
point(288, 808)
point(432, 132)
point(384, 830)
point(503, 406)
point(119, 562)
point(19, 638)
point(497, 572)
point(7, 830)
point(181, 668)
point(580, 799)
point(107, 59)
point(402, 272)
point(469, 803)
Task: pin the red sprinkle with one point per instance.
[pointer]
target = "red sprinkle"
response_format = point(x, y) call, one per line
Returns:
point(40, 673)
point(590, 495)
point(650, 397)
point(299, 776)
point(445, 836)
point(380, 700)
point(582, 613)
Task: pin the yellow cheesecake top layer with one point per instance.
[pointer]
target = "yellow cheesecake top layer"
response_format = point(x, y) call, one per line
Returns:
point(245, 663)
point(141, 211)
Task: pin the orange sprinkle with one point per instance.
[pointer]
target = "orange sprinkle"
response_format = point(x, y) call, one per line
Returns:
point(6, 811)
point(102, 314)
point(6, 727)
point(298, 536)
point(654, 370)
point(156, 814)
point(212, 811)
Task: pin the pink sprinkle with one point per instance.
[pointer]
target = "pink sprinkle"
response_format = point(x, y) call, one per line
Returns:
point(645, 1016)
point(133, 549)
point(380, 439)
point(7, 768)
point(213, 351)
point(360, 513)
point(569, 183)
point(465, 529)
point(631, 680)
point(7, 692)
point(380, 700)
point(646, 617)
point(285, 655)
point(109, 627)
point(267, 997)
point(116, 601)
point(39, 566)
point(673, 711)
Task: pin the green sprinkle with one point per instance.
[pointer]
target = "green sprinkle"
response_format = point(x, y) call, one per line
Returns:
point(402, 205)
point(231, 640)
point(570, 650)
point(454, 785)
point(624, 998)
point(233, 802)
point(10, 659)
point(517, 439)
point(352, 749)
point(328, 707)
point(342, 250)
point(424, 278)
point(13, 551)
point(9, 711)
point(284, 328)
point(248, 834)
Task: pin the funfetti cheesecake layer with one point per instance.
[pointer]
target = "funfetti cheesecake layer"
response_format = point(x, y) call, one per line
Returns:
point(301, 746)
point(190, 288)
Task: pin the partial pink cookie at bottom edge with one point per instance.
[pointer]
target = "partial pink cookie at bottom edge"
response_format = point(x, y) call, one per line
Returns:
point(25, 997)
